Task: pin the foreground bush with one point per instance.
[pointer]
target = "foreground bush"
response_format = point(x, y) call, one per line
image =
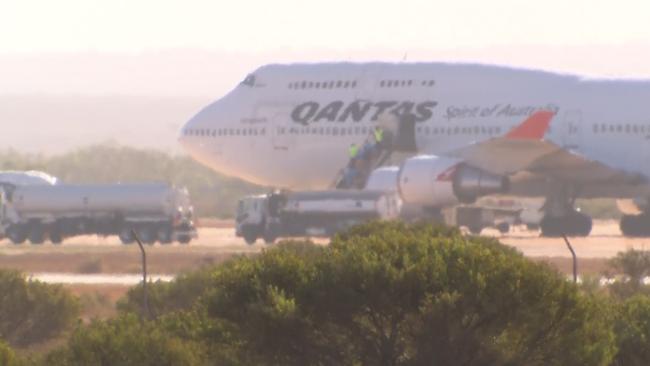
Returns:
point(31, 311)
point(633, 332)
point(393, 294)
point(7, 355)
point(126, 341)
point(380, 294)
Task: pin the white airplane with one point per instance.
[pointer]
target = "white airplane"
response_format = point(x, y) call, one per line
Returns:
point(479, 130)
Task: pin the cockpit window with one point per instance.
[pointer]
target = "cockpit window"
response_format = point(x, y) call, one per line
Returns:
point(249, 81)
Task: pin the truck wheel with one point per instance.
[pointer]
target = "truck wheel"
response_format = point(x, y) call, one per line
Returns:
point(476, 230)
point(503, 227)
point(55, 236)
point(147, 234)
point(165, 234)
point(37, 234)
point(184, 239)
point(250, 238)
point(17, 234)
point(126, 236)
point(269, 239)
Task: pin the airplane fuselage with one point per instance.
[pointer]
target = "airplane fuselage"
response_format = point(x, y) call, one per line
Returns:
point(290, 126)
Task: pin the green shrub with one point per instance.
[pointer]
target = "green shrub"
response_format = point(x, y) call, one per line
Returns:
point(32, 311)
point(126, 341)
point(394, 294)
point(7, 355)
point(633, 332)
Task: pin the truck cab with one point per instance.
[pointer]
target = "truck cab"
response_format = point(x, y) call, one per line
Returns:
point(251, 217)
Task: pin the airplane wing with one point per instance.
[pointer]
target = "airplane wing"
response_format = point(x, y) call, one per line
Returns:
point(524, 149)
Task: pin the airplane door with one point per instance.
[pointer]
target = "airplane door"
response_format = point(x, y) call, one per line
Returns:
point(280, 130)
point(572, 129)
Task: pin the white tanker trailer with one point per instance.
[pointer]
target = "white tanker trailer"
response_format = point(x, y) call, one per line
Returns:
point(157, 212)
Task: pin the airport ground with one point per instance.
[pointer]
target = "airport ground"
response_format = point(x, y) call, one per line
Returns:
point(217, 242)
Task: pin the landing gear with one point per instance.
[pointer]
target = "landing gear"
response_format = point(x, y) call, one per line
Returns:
point(635, 225)
point(560, 218)
point(573, 223)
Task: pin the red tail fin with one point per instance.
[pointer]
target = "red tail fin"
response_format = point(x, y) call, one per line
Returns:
point(533, 128)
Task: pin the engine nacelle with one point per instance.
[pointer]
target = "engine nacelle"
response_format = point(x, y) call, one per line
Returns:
point(439, 181)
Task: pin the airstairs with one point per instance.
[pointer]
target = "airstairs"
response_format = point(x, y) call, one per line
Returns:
point(397, 144)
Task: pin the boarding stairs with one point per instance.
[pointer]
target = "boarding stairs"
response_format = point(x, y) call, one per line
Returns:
point(398, 143)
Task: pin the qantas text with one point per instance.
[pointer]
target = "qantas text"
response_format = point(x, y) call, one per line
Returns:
point(337, 111)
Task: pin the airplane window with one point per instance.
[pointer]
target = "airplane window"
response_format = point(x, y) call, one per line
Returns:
point(424, 83)
point(214, 133)
point(263, 131)
point(328, 131)
point(335, 131)
point(347, 84)
point(311, 84)
point(249, 81)
point(243, 132)
point(343, 131)
point(357, 130)
point(456, 130)
point(410, 82)
point(619, 128)
point(317, 85)
point(497, 129)
point(627, 128)
point(339, 84)
point(419, 129)
point(303, 85)
point(350, 132)
point(354, 84)
point(290, 86)
point(435, 131)
point(381, 84)
point(364, 130)
point(476, 130)
point(642, 128)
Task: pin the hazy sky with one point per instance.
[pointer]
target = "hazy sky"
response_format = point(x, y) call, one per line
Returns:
point(257, 26)
point(204, 48)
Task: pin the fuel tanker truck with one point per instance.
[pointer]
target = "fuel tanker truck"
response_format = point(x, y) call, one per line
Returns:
point(315, 213)
point(157, 212)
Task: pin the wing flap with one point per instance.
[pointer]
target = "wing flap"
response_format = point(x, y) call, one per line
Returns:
point(524, 149)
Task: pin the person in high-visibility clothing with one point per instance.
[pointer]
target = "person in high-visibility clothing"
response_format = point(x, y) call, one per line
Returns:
point(378, 132)
point(353, 151)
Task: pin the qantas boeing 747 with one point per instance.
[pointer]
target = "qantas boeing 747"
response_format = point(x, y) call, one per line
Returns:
point(479, 130)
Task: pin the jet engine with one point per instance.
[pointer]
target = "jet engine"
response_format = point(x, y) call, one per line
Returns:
point(439, 181)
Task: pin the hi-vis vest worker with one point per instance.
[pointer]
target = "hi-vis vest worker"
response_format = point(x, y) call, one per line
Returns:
point(353, 150)
point(379, 134)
